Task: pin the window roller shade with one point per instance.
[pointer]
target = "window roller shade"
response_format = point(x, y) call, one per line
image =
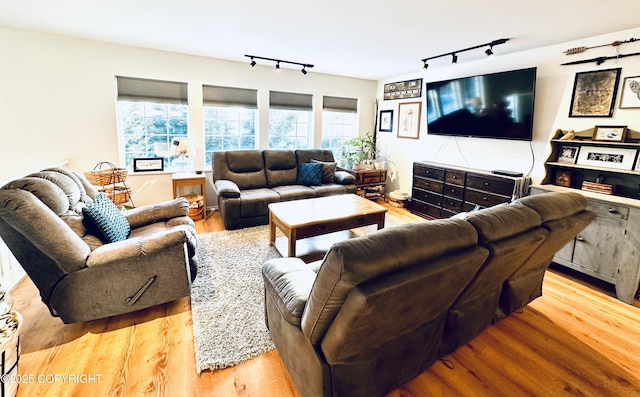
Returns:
point(337, 104)
point(290, 101)
point(229, 96)
point(135, 89)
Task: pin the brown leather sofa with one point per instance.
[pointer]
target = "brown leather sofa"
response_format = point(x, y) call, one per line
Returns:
point(380, 309)
point(81, 277)
point(247, 181)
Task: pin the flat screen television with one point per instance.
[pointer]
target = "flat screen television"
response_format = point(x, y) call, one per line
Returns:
point(495, 105)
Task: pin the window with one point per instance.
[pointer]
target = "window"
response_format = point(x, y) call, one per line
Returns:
point(151, 113)
point(339, 123)
point(229, 119)
point(290, 117)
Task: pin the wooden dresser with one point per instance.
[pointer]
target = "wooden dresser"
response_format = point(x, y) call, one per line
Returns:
point(441, 190)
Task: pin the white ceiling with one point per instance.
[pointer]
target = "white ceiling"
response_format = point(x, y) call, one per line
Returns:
point(371, 39)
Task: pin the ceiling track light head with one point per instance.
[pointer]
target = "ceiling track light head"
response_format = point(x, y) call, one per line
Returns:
point(304, 71)
point(253, 62)
point(425, 66)
point(278, 65)
point(488, 51)
point(454, 58)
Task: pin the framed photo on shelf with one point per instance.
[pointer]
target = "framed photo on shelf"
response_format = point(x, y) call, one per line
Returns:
point(386, 121)
point(594, 93)
point(147, 164)
point(630, 96)
point(563, 178)
point(409, 120)
point(607, 157)
point(568, 155)
point(609, 133)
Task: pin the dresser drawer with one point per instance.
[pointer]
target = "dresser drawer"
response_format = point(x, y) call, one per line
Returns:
point(484, 199)
point(426, 209)
point(427, 196)
point(454, 177)
point(451, 204)
point(428, 184)
point(428, 171)
point(497, 186)
point(454, 191)
point(607, 210)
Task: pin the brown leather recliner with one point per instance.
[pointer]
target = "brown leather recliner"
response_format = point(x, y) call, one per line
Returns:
point(80, 277)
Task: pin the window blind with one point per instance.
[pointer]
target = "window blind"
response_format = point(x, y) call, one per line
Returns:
point(337, 104)
point(229, 96)
point(136, 89)
point(290, 101)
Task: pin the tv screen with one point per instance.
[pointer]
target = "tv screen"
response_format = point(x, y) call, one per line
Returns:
point(496, 105)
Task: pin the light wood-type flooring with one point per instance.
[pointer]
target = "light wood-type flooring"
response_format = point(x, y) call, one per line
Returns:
point(576, 340)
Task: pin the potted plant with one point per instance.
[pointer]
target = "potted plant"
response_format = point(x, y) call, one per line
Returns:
point(359, 150)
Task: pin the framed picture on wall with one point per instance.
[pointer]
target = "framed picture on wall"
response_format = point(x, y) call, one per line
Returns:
point(409, 120)
point(147, 164)
point(594, 93)
point(386, 121)
point(630, 97)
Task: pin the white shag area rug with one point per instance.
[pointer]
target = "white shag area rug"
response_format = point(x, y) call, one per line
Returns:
point(227, 296)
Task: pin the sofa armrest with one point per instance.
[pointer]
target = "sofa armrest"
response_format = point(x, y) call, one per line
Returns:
point(345, 178)
point(227, 188)
point(131, 249)
point(152, 213)
point(288, 283)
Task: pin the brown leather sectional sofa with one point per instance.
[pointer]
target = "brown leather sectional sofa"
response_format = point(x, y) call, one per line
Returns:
point(380, 309)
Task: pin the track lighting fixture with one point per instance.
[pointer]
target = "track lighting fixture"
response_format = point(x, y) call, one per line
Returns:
point(278, 61)
point(454, 54)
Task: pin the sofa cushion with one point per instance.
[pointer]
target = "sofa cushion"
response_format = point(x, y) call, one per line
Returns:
point(328, 170)
point(294, 192)
point(280, 167)
point(103, 218)
point(255, 202)
point(244, 167)
point(309, 174)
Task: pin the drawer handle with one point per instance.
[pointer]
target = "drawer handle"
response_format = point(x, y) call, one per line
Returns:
point(321, 227)
point(580, 238)
point(613, 211)
point(360, 220)
point(486, 183)
point(485, 198)
point(454, 177)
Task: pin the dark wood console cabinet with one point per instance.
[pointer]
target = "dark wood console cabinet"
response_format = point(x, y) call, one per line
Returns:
point(441, 191)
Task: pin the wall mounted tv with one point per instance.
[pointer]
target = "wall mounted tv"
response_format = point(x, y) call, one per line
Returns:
point(495, 105)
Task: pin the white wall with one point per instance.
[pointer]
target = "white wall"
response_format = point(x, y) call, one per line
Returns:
point(57, 100)
point(553, 97)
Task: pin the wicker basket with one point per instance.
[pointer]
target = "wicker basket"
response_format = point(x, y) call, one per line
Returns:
point(118, 194)
point(107, 176)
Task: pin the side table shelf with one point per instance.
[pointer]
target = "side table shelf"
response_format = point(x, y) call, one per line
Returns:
point(197, 203)
point(371, 184)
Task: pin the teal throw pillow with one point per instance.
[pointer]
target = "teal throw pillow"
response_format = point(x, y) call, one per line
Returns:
point(309, 174)
point(103, 218)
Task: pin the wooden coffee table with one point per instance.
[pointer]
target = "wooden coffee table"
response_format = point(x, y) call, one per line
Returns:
point(303, 222)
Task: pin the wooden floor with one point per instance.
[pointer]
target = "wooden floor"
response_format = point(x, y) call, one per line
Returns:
point(576, 340)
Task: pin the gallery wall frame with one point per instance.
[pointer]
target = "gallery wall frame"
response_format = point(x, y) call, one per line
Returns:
point(409, 120)
point(630, 95)
point(594, 93)
point(386, 121)
point(403, 89)
point(609, 133)
point(568, 155)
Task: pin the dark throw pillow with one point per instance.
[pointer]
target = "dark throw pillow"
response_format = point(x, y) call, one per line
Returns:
point(309, 174)
point(103, 218)
point(328, 170)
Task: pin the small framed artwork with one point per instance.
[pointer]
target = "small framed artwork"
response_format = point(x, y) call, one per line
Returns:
point(147, 164)
point(563, 178)
point(594, 93)
point(609, 133)
point(568, 155)
point(630, 97)
point(403, 89)
point(409, 120)
point(607, 157)
point(386, 120)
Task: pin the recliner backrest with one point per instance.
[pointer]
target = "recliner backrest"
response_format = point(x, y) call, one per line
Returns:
point(244, 167)
point(281, 167)
point(391, 261)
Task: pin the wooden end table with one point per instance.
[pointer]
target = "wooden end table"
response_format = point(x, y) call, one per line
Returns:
point(329, 217)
